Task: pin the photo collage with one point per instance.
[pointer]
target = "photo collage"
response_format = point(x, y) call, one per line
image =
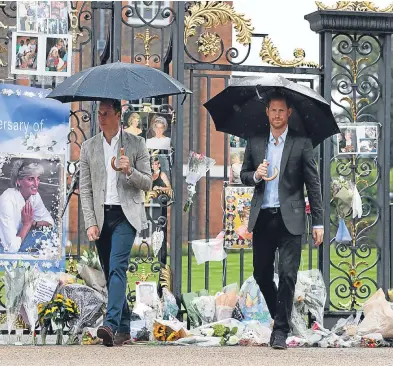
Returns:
point(41, 45)
point(156, 129)
point(357, 139)
point(237, 213)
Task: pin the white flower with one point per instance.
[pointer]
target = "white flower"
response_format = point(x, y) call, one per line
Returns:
point(29, 94)
point(207, 332)
point(47, 265)
point(233, 340)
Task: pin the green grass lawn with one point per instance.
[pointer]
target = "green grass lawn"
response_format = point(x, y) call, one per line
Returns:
point(215, 272)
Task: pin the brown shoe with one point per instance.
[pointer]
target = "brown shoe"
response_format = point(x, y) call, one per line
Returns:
point(122, 338)
point(106, 334)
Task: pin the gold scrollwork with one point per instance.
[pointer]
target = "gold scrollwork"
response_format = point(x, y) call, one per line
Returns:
point(269, 53)
point(354, 65)
point(74, 24)
point(355, 6)
point(211, 14)
point(354, 106)
point(209, 43)
point(166, 277)
point(147, 39)
point(142, 276)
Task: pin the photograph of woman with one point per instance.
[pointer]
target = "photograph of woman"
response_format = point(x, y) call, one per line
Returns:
point(160, 179)
point(347, 141)
point(22, 209)
point(134, 122)
point(158, 127)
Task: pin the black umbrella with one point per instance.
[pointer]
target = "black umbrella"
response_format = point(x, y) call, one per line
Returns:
point(119, 80)
point(240, 109)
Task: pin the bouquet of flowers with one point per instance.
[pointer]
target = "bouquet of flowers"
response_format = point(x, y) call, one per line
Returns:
point(89, 303)
point(227, 334)
point(342, 190)
point(198, 165)
point(58, 312)
point(167, 331)
point(89, 269)
point(14, 281)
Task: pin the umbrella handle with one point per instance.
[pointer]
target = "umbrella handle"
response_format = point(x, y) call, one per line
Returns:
point(114, 167)
point(274, 176)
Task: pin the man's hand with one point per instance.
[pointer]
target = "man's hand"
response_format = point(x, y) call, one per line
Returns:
point(124, 164)
point(262, 170)
point(93, 233)
point(317, 235)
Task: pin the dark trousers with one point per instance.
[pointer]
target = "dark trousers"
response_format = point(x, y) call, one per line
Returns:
point(114, 249)
point(269, 235)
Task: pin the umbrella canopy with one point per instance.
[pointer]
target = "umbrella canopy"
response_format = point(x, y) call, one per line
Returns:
point(119, 80)
point(240, 109)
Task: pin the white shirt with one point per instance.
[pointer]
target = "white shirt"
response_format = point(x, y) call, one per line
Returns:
point(163, 143)
point(22, 50)
point(111, 195)
point(11, 205)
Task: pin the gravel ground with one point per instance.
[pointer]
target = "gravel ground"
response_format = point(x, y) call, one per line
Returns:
point(191, 355)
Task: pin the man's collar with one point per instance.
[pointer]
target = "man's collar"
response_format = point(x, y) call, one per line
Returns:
point(281, 138)
point(114, 138)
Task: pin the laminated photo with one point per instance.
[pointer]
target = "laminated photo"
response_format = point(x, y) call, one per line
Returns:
point(25, 54)
point(31, 196)
point(159, 131)
point(58, 55)
point(237, 213)
point(27, 16)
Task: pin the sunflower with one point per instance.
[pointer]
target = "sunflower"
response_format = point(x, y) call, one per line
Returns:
point(173, 337)
point(352, 272)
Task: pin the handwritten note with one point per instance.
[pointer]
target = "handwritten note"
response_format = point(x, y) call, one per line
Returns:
point(45, 290)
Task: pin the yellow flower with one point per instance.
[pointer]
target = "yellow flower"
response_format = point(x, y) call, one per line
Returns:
point(357, 284)
point(172, 337)
point(70, 310)
point(58, 296)
point(47, 311)
point(54, 308)
point(352, 272)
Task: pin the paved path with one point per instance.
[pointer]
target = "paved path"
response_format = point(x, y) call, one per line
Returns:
point(191, 355)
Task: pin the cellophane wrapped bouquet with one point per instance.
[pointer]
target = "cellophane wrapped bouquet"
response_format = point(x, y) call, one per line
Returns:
point(198, 165)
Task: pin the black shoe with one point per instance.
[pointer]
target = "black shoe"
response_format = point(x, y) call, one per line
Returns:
point(106, 334)
point(122, 339)
point(279, 342)
point(271, 339)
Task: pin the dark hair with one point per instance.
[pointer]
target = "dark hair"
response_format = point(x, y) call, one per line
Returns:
point(115, 103)
point(278, 95)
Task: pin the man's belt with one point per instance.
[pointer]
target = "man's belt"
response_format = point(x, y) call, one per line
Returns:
point(112, 207)
point(272, 210)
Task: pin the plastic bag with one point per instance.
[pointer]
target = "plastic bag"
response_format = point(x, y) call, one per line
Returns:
point(312, 288)
point(255, 334)
point(347, 326)
point(170, 308)
point(252, 303)
point(205, 308)
point(93, 278)
point(342, 235)
point(378, 316)
point(208, 251)
point(226, 302)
